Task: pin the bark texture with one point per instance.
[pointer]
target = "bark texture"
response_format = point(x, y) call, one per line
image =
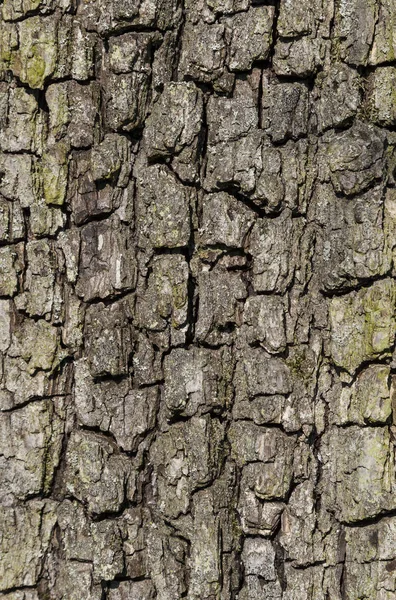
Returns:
point(197, 299)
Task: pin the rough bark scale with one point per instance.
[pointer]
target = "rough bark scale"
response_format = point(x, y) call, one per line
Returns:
point(197, 299)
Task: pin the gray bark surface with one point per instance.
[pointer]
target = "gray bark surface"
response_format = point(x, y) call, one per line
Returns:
point(197, 299)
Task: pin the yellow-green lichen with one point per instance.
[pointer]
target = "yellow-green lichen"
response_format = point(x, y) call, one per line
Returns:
point(54, 170)
point(363, 325)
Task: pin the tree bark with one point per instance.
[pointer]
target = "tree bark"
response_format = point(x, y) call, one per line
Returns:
point(197, 299)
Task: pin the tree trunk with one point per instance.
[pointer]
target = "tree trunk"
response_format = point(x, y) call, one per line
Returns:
point(197, 299)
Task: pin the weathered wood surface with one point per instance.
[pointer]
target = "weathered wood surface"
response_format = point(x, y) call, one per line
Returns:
point(197, 299)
